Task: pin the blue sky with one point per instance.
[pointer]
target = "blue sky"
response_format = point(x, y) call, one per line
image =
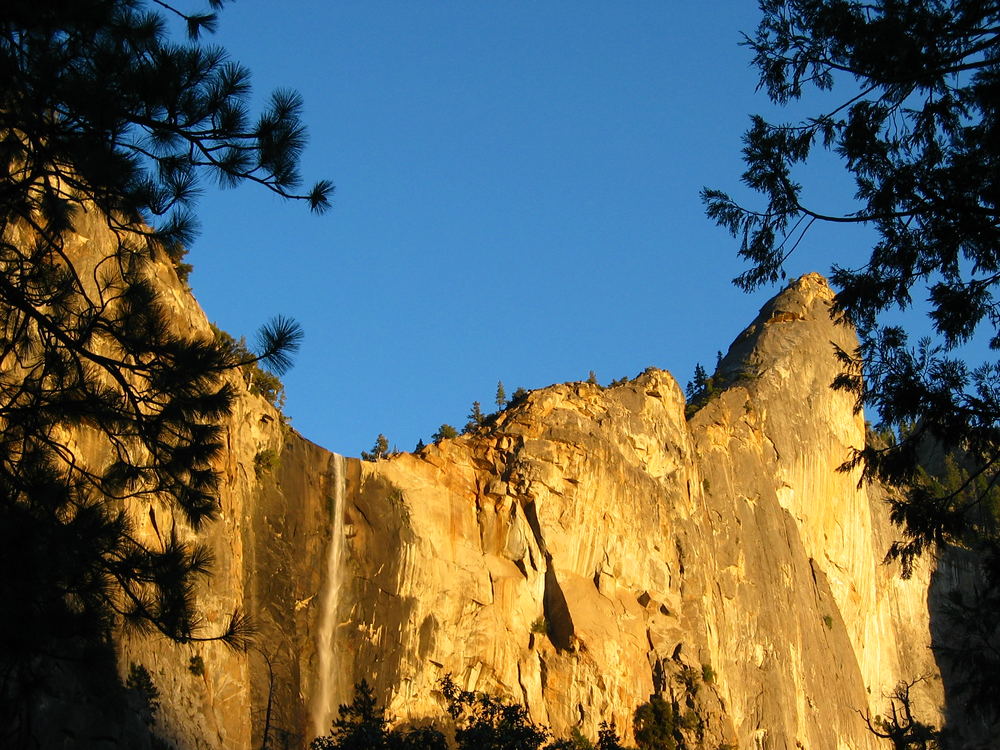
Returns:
point(517, 200)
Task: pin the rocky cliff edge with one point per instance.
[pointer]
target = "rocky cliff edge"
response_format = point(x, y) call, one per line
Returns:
point(586, 548)
point(590, 546)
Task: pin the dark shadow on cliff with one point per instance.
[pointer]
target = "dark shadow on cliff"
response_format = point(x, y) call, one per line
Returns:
point(964, 615)
point(74, 697)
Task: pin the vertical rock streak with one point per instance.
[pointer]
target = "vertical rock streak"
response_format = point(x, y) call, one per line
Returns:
point(326, 694)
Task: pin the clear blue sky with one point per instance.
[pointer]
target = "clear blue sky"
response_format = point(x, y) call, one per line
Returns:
point(517, 200)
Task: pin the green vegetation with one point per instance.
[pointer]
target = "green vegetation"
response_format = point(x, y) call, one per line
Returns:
point(699, 390)
point(265, 462)
point(102, 113)
point(445, 432)
point(707, 674)
point(828, 621)
point(379, 450)
point(477, 721)
point(476, 418)
point(906, 96)
point(540, 626)
point(258, 381)
point(656, 725)
point(592, 378)
point(702, 388)
point(667, 725)
point(501, 397)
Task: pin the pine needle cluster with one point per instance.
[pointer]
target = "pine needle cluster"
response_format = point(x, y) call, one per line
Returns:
point(107, 415)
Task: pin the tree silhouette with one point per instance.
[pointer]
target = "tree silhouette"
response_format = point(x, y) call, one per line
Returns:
point(912, 96)
point(108, 126)
point(916, 127)
point(362, 725)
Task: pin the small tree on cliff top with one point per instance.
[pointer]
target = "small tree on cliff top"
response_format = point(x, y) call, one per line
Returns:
point(102, 115)
point(444, 432)
point(476, 418)
point(379, 450)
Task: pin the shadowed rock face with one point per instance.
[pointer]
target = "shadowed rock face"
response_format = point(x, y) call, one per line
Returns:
point(584, 549)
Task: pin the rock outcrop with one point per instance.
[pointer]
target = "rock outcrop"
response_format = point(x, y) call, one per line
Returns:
point(584, 549)
point(589, 547)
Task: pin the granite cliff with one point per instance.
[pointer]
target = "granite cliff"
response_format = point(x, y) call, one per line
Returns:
point(585, 548)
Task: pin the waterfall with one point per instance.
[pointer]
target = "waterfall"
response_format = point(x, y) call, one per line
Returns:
point(328, 675)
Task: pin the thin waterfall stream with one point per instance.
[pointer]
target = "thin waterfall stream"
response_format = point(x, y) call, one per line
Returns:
point(328, 675)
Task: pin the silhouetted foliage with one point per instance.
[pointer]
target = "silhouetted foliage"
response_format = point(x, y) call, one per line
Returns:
point(362, 725)
point(899, 725)
point(916, 128)
point(258, 380)
point(970, 645)
point(105, 120)
point(911, 93)
point(501, 397)
point(607, 737)
point(484, 722)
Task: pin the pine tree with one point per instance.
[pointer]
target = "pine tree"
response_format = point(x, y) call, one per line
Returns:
point(501, 397)
point(476, 418)
point(102, 115)
point(379, 450)
point(444, 432)
point(484, 721)
point(695, 388)
point(909, 101)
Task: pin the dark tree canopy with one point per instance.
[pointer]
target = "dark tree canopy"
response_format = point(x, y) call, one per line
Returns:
point(915, 89)
point(99, 104)
point(362, 725)
point(909, 96)
point(107, 123)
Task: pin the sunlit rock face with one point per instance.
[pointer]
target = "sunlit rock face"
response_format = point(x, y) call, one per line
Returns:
point(586, 548)
point(589, 547)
